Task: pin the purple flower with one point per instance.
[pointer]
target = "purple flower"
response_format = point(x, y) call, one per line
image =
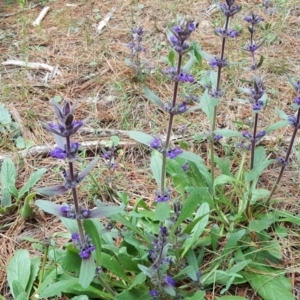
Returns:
point(163, 197)
point(218, 63)
point(169, 280)
point(292, 120)
point(297, 100)
point(173, 153)
point(85, 253)
point(156, 144)
point(58, 153)
point(185, 77)
point(75, 237)
point(282, 161)
point(227, 32)
point(229, 10)
point(215, 93)
point(261, 134)
point(247, 135)
point(256, 107)
point(182, 107)
point(253, 19)
point(154, 293)
point(217, 137)
point(138, 31)
point(251, 47)
point(185, 167)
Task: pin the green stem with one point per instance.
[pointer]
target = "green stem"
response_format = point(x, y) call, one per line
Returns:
point(41, 277)
point(106, 286)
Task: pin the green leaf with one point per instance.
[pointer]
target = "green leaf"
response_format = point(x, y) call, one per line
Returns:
point(199, 295)
point(139, 279)
point(82, 297)
point(26, 210)
point(92, 231)
point(162, 211)
point(223, 179)
point(228, 132)
point(190, 156)
point(269, 287)
point(8, 173)
point(208, 104)
point(19, 269)
point(87, 272)
point(18, 291)
point(6, 197)
point(233, 238)
point(33, 179)
point(34, 270)
point(171, 57)
point(281, 114)
point(277, 125)
point(112, 264)
point(190, 204)
point(20, 142)
point(215, 235)
point(57, 288)
point(156, 167)
point(259, 225)
point(5, 117)
point(153, 97)
point(134, 294)
point(231, 298)
point(202, 212)
point(141, 137)
point(128, 262)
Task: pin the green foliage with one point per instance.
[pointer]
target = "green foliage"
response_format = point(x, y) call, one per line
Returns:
point(9, 191)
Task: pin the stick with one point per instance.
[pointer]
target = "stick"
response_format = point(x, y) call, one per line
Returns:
point(41, 16)
point(30, 65)
point(104, 21)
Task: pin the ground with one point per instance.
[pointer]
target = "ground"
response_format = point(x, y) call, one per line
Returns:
point(94, 74)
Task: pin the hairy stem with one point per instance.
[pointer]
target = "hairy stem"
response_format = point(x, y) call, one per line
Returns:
point(286, 159)
point(106, 286)
point(169, 130)
point(213, 126)
point(74, 192)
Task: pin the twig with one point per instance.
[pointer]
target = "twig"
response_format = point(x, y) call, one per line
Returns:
point(104, 21)
point(30, 65)
point(41, 16)
point(20, 11)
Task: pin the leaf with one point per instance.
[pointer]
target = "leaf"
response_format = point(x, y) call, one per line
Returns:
point(153, 97)
point(223, 179)
point(190, 204)
point(34, 270)
point(6, 197)
point(231, 298)
point(56, 288)
point(162, 211)
point(26, 210)
point(112, 264)
point(171, 57)
point(8, 173)
point(82, 297)
point(233, 238)
point(208, 104)
point(18, 291)
point(269, 287)
point(52, 190)
point(228, 132)
point(190, 156)
point(92, 231)
point(19, 269)
point(141, 137)
point(199, 295)
point(20, 142)
point(281, 114)
point(139, 279)
point(33, 179)
point(156, 167)
point(203, 212)
point(5, 117)
point(277, 125)
point(87, 272)
point(134, 294)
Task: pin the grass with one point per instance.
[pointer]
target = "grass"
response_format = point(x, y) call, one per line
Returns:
point(94, 65)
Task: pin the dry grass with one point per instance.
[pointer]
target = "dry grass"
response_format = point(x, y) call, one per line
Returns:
point(94, 74)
